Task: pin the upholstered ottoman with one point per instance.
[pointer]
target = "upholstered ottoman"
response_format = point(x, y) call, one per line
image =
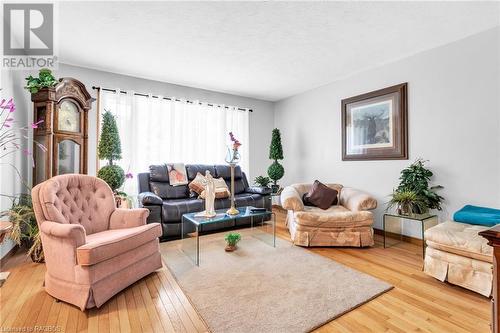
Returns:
point(456, 253)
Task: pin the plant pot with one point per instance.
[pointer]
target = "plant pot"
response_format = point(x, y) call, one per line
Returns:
point(275, 188)
point(230, 248)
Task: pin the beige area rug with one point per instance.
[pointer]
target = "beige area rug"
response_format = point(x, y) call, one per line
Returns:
point(259, 288)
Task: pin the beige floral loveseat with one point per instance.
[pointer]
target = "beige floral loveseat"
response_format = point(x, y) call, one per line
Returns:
point(349, 223)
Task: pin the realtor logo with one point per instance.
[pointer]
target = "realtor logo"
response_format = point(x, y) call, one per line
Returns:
point(28, 29)
point(28, 35)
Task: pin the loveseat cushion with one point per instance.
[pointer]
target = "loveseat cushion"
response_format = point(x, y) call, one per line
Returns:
point(193, 169)
point(107, 244)
point(249, 199)
point(158, 173)
point(461, 239)
point(333, 217)
point(167, 191)
point(172, 210)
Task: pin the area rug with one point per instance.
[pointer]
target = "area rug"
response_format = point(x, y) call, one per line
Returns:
point(259, 288)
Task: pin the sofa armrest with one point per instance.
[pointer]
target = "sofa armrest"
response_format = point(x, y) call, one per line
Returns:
point(128, 218)
point(356, 200)
point(74, 232)
point(291, 200)
point(258, 190)
point(149, 198)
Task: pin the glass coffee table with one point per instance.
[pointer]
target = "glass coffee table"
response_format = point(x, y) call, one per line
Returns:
point(191, 228)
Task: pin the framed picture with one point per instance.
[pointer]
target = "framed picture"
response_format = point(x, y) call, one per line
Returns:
point(375, 125)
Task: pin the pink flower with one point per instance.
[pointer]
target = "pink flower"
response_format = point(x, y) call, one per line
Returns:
point(35, 125)
point(129, 175)
point(235, 141)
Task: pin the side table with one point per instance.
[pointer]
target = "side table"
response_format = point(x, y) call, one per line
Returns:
point(5, 228)
point(393, 225)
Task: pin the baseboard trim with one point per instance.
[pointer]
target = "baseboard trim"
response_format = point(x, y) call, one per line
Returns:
point(408, 239)
point(8, 255)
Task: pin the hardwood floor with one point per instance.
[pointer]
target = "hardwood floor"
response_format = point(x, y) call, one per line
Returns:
point(157, 304)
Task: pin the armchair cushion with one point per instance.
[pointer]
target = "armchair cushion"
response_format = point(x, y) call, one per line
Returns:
point(333, 217)
point(74, 232)
point(128, 218)
point(111, 243)
point(356, 200)
point(291, 199)
point(258, 190)
point(149, 198)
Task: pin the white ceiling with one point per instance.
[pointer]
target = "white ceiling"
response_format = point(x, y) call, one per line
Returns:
point(265, 50)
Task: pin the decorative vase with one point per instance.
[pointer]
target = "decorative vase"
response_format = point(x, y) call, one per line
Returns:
point(232, 158)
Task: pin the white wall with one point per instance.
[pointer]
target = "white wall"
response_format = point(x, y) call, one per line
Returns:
point(454, 122)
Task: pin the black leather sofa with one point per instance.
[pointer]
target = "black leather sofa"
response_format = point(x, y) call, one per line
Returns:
point(168, 203)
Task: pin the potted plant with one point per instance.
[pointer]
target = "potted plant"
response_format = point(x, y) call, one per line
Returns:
point(275, 170)
point(24, 228)
point(21, 214)
point(45, 79)
point(407, 202)
point(109, 149)
point(414, 195)
point(232, 239)
point(262, 181)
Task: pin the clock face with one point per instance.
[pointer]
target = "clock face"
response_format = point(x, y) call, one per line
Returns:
point(68, 117)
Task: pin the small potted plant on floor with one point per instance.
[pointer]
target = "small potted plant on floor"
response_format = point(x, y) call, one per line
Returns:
point(232, 239)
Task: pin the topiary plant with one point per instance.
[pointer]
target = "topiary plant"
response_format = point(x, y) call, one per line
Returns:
point(44, 79)
point(113, 175)
point(276, 170)
point(109, 149)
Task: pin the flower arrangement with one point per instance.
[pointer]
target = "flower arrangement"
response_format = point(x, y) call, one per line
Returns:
point(11, 136)
point(20, 214)
point(233, 155)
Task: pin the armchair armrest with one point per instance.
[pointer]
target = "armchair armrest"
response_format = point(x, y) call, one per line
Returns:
point(128, 218)
point(259, 190)
point(356, 200)
point(74, 232)
point(149, 198)
point(291, 200)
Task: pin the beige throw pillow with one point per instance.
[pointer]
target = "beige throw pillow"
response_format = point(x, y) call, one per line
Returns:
point(221, 189)
point(197, 185)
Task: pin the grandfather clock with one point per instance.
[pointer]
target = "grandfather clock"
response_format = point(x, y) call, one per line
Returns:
point(63, 131)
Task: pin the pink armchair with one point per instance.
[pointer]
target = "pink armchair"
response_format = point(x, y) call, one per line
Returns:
point(92, 249)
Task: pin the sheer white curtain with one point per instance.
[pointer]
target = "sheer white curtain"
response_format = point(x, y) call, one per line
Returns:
point(156, 130)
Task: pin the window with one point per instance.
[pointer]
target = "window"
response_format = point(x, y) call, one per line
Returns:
point(156, 131)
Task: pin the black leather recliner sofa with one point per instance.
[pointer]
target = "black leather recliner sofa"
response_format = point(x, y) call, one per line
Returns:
point(168, 203)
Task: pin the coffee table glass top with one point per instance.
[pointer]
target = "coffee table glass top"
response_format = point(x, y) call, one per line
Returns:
point(262, 226)
point(223, 216)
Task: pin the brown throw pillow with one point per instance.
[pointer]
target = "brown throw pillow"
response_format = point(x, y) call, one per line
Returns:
point(320, 196)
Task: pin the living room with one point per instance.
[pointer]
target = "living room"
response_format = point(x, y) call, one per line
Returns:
point(250, 166)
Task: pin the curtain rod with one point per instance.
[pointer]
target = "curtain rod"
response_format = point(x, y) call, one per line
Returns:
point(167, 98)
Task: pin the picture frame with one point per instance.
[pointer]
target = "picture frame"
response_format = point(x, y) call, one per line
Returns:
point(375, 125)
